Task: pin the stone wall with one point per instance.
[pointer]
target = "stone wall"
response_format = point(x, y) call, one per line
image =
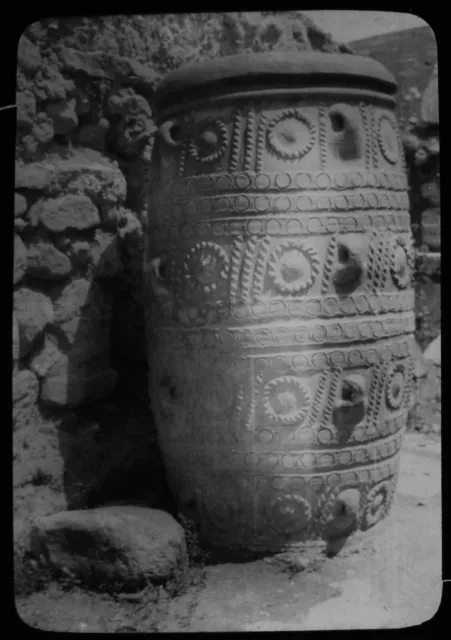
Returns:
point(83, 433)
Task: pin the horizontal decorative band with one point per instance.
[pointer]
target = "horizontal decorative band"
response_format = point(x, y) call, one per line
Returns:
point(282, 225)
point(324, 307)
point(327, 93)
point(289, 334)
point(246, 204)
point(306, 461)
point(248, 182)
point(354, 356)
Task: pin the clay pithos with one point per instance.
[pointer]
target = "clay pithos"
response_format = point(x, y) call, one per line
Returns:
point(280, 319)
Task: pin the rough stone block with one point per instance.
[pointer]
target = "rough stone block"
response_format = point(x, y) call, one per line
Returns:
point(29, 57)
point(47, 357)
point(64, 116)
point(20, 259)
point(33, 176)
point(76, 212)
point(25, 396)
point(106, 253)
point(33, 311)
point(46, 262)
point(122, 545)
point(20, 205)
point(42, 128)
point(74, 300)
point(26, 109)
point(16, 340)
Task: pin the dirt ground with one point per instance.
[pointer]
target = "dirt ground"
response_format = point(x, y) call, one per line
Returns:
point(389, 579)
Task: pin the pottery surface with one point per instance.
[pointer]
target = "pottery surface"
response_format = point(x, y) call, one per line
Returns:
point(280, 318)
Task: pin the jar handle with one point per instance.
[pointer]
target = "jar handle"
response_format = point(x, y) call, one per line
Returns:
point(158, 280)
point(168, 131)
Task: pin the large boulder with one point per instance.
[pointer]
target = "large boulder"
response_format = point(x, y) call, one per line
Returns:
point(122, 546)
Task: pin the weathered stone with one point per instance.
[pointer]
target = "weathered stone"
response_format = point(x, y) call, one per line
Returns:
point(123, 546)
point(73, 298)
point(29, 57)
point(33, 176)
point(29, 146)
point(70, 212)
point(43, 128)
point(132, 134)
point(47, 357)
point(127, 102)
point(22, 82)
point(66, 385)
point(33, 311)
point(16, 340)
point(20, 259)
point(117, 68)
point(434, 351)
point(106, 255)
point(49, 84)
point(94, 135)
point(90, 174)
point(25, 396)
point(64, 116)
point(20, 205)
point(26, 109)
point(20, 225)
point(46, 262)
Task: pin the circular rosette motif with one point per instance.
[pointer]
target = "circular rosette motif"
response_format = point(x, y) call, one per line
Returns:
point(401, 263)
point(286, 400)
point(378, 502)
point(210, 141)
point(291, 134)
point(388, 139)
point(289, 514)
point(395, 386)
point(206, 266)
point(294, 267)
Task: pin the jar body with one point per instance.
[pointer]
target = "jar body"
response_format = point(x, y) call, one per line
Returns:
point(281, 319)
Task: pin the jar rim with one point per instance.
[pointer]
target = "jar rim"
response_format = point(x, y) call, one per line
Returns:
point(290, 69)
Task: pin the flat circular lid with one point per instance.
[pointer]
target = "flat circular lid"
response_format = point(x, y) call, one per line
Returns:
point(274, 68)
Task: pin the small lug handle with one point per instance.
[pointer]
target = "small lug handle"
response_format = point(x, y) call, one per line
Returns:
point(168, 131)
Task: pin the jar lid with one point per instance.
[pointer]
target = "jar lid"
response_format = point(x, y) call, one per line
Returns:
point(274, 69)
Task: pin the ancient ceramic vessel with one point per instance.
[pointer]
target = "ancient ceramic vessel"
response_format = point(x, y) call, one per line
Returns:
point(281, 316)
